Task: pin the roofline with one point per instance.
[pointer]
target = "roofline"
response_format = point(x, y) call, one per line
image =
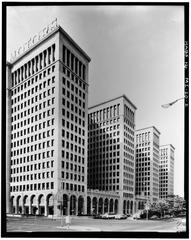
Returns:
point(74, 43)
point(167, 145)
point(59, 28)
point(147, 128)
point(122, 96)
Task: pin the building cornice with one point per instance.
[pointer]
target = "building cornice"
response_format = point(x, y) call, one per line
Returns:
point(57, 29)
point(148, 128)
point(164, 145)
point(113, 99)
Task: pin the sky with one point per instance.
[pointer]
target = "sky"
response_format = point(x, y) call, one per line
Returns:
point(135, 50)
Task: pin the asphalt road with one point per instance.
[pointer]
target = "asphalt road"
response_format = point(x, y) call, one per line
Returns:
point(41, 224)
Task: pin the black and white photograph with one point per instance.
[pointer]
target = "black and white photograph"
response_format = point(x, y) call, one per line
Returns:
point(95, 119)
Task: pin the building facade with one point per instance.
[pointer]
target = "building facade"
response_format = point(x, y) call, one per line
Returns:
point(111, 150)
point(47, 112)
point(147, 166)
point(166, 171)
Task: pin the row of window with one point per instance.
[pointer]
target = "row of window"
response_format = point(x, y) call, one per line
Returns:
point(144, 184)
point(127, 188)
point(128, 136)
point(128, 182)
point(33, 100)
point(103, 180)
point(78, 89)
point(102, 167)
point(31, 177)
point(143, 144)
point(34, 65)
point(97, 141)
point(100, 162)
point(71, 127)
point(102, 148)
point(127, 175)
point(103, 114)
point(32, 187)
point(128, 146)
point(80, 83)
point(129, 155)
point(35, 118)
point(72, 167)
point(129, 130)
point(71, 176)
point(32, 167)
point(72, 187)
point(38, 127)
point(39, 86)
point(103, 187)
point(142, 149)
point(130, 163)
point(71, 156)
point(70, 146)
point(95, 126)
point(102, 130)
point(93, 154)
point(143, 169)
point(75, 99)
point(142, 155)
point(35, 108)
point(128, 195)
point(34, 137)
point(74, 118)
point(38, 156)
point(79, 109)
point(139, 164)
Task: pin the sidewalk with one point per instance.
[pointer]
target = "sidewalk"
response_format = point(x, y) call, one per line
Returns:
point(79, 228)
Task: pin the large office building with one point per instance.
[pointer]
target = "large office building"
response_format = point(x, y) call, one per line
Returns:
point(166, 171)
point(147, 166)
point(111, 150)
point(47, 113)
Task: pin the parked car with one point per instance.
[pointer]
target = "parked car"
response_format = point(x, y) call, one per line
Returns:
point(120, 216)
point(108, 216)
point(154, 217)
point(97, 216)
point(166, 216)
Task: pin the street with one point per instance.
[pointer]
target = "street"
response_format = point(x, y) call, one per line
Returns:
point(42, 224)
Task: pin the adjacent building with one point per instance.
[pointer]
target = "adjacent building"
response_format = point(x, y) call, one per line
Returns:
point(47, 102)
point(111, 150)
point(147, 166)
point(166, 171)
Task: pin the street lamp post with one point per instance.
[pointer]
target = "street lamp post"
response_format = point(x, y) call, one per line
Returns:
point(171, 103)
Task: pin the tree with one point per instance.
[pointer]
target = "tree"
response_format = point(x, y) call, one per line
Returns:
point(158, 208)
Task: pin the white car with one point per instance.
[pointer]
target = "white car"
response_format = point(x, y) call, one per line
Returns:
point(108, 216)
point(120, 216)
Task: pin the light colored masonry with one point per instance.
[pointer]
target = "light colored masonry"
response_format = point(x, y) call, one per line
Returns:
point(111, 151)
point(166, 171)
point(147, 164)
